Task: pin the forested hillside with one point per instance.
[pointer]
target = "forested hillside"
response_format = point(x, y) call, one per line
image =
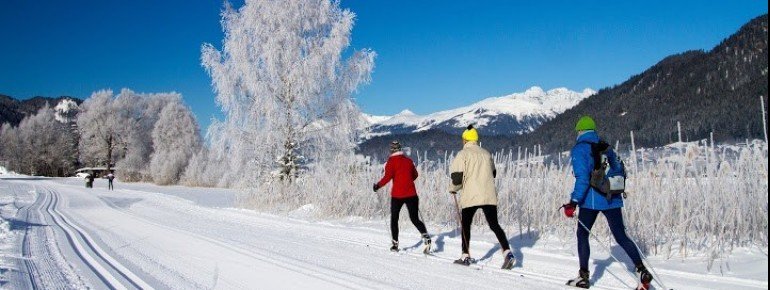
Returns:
point(716, 91)
point(13, 111)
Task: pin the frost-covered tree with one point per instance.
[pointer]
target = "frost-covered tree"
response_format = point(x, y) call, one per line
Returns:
point(40, 145)
point(99, 130)
point(117, 130)
point(175, 139)
point(66, 111)
point(195, 173)
point(10, 147)
point(137, 115)
point(284, 86)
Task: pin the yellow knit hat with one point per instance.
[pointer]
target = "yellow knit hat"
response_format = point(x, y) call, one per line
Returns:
point(470, 134)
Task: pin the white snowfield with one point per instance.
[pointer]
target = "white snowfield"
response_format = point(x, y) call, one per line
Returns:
point(143, 236)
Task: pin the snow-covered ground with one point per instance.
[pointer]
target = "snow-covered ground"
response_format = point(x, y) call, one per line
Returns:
point(62, 235)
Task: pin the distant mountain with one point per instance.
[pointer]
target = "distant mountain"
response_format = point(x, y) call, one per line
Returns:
point(13, 110)
point(716, 91)
point(431, 144)
point(509, 115)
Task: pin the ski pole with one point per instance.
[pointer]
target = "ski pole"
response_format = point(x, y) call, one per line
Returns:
point(644, 258)
point(460, 221)
point(609, 250)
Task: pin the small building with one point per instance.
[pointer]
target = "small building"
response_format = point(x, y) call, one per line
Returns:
point(97, 171)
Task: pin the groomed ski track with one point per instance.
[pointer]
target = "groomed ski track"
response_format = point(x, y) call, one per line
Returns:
point(139, 238)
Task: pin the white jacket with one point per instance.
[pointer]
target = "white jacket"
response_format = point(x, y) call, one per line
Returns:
point(473, 172)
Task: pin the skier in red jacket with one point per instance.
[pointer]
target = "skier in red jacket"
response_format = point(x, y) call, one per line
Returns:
point(401, 170)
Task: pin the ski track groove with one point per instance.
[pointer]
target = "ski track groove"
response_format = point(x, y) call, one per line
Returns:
point(26, 244)
point(517, 273)
point(72, 231)
point(245, 251)
point(482, 267)
point(522, 274)
point(296, 265)
point(39, 258)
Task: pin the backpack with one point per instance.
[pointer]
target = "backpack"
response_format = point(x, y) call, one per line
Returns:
point(600, 181)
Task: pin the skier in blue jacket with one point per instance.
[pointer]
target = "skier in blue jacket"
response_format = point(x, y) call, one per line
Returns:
point(592, 202)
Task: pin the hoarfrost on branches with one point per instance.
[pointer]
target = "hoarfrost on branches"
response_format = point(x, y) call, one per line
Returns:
point(66, 111)
point(175, 139)
point(119, 131)
point(284, 86)
point(99, 135)
point(40, 145)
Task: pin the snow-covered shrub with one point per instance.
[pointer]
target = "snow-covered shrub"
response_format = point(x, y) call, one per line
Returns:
point(682, 207)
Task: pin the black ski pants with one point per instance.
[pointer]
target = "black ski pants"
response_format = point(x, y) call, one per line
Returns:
point(490, 213)
point(413, 206)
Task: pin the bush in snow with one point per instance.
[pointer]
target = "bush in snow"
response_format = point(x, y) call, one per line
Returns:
point(703, 201)
point(284, 87)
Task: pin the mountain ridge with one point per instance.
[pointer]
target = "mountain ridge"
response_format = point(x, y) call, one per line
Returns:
point(13, 110)
point(715, 91)
point(511, 114)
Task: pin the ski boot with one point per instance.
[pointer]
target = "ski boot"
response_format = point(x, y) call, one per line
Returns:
point(394, 247)
point(465, 260)
point(509, 261)
point(645, 278)
point(581, 281)
point(427, 242)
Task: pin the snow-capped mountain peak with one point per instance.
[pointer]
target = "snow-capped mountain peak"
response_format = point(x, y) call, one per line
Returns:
point(406, 113)
point(507, 115)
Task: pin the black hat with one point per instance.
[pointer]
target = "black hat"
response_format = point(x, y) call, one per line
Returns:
point(395, 146)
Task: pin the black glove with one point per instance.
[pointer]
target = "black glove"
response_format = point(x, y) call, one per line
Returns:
point(375, 187)
point(453, 192)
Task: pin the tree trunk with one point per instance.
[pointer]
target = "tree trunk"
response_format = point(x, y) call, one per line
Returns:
point(110, 142)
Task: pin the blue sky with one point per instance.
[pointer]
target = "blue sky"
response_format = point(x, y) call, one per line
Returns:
point(432, 55)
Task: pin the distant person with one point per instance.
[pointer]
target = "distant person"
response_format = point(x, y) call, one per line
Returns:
point(90, 182)
point(591, 201)
point(110, 178)
point(473, 172)
point(401, 170)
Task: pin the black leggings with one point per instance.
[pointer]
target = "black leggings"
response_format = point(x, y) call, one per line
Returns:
point(413, 206)
point(490, 212)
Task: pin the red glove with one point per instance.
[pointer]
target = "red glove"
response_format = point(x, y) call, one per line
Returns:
point(569, 209)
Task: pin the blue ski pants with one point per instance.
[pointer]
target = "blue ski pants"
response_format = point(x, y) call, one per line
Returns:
point(615, 220)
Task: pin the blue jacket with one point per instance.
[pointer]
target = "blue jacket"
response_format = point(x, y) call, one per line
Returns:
point(582, 165)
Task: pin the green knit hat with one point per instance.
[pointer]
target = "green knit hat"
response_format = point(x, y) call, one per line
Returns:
point(585, 123)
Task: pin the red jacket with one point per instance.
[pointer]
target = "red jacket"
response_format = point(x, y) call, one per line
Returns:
point(401, 170)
